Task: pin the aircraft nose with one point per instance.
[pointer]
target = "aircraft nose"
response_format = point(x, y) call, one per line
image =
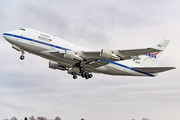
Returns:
point(5, 35)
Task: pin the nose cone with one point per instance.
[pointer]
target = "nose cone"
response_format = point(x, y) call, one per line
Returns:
point(11, 36)
point(8, 36)
point(5, 35)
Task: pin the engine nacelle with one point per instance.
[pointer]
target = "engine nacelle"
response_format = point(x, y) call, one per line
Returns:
point(72, 56)
point(55, 65)
point(108, 54)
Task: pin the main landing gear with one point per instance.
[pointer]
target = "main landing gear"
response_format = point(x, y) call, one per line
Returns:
point(82, 73)
point(85, 75)
point(74, 76)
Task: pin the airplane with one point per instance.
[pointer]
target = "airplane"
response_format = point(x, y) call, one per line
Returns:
point(82, 61)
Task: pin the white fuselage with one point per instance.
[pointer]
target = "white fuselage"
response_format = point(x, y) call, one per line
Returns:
point(40, 43)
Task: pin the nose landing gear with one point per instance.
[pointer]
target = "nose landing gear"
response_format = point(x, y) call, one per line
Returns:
point(22, 55)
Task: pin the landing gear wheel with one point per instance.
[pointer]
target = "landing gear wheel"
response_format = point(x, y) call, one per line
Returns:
point(22, 57)
point(82, 74)
point(87, 76)
point(81, 69)
point(90, 75)
point(74, 76)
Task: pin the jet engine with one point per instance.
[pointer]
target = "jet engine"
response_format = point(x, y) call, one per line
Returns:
point(72, 56)
point(108, 54)
point(55, 65)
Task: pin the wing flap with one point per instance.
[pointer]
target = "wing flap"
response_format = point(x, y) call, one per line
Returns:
point(153, 69)
point(96, 64)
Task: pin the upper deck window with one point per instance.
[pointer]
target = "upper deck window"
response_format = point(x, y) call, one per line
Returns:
point(22, 29)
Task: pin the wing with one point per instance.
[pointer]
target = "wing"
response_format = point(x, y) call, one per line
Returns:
point(92, 58)
point(113, 55)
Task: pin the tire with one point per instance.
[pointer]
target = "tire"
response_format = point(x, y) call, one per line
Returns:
point(22, 57)
point(81, 69)
point(90, 75)
point(87, 76)
point(74, 76)
point(82, 74)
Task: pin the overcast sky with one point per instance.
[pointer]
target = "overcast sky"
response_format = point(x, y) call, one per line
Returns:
point(29, 87)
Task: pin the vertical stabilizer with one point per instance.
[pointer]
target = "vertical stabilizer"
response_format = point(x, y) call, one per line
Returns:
point(151, 58)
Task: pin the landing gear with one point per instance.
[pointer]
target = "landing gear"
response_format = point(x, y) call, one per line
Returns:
point(74, 76)
point(90, 75)
point(22, 57)
point(81, 72)
point(83, 75)
point(81, 69)
point(87, 76)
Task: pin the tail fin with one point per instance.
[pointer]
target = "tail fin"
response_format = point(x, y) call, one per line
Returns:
point(151, 59)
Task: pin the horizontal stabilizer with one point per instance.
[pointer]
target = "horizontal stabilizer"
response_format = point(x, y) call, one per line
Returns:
point(153, 69)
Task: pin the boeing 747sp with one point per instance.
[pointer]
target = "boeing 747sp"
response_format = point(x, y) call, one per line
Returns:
point(77, 60)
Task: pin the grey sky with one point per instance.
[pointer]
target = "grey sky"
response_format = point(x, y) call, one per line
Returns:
point(29, 87)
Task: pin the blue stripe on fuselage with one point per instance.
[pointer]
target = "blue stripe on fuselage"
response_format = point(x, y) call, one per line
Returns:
point(37, 41)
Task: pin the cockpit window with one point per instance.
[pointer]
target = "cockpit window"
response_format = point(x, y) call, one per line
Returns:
point(22, 29)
